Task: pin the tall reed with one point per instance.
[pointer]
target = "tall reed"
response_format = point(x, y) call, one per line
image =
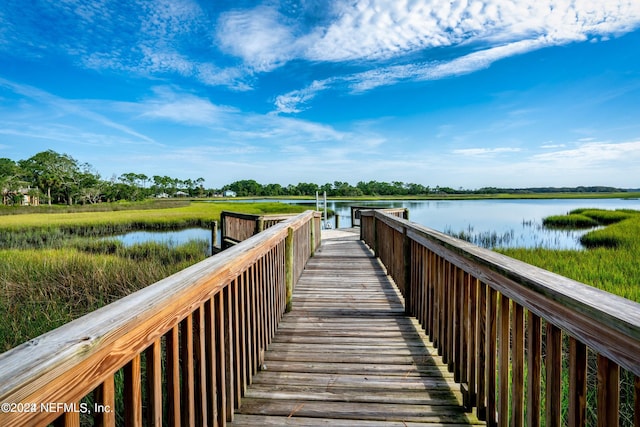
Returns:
point(43, 289)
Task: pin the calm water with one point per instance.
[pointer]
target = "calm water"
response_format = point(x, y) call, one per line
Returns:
point(505, 223)
point(173, 238)
point(509, 223)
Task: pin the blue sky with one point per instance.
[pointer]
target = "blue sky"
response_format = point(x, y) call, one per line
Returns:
point(450, 93)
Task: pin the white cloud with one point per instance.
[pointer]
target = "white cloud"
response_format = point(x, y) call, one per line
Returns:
point(378, 30)
point(257, 36)
point(184, 108)
point(290, 102)
point(161, 36)
point(593, 153)
point(385, 76)
point(485, 151)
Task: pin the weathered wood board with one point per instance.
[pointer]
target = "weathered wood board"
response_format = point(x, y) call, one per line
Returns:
point(347, 355)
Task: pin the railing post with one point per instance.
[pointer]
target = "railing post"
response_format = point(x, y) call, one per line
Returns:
point(406, 255)
point(259, 224)
point(375, 236)
point(312, 236)
point(288, 266)
point(214, 236)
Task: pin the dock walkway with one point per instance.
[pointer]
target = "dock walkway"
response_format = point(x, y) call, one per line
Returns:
point(347, 355)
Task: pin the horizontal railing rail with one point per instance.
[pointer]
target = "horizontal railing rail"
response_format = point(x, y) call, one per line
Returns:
point(179, 352)
point(236, 226)
point(506, 329)
point(355, 213)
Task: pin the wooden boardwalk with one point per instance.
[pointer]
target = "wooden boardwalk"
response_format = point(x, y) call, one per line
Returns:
point(346, 355)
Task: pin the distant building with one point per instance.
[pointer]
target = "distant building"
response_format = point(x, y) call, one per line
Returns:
point(23, 197)
point(229, 193)
point(181, 194)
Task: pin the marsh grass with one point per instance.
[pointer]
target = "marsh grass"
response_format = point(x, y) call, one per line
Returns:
point(55, 267)
point(43, 289)
point(92, 224)
point(54, 230)
point(573, 221)
point(611, 261)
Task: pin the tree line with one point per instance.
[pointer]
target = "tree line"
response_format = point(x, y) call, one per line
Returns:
point(252, 188)
point(59, 178)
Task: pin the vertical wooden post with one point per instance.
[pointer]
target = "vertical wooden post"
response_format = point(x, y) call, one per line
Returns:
point(325, 208)
point(104, 395)
point(553, 367)
point(406, 255)
point(259, 225)
point(577, 382)
point(133, 392)
point(214, 236)
point(375, 234)
point(222, 230)
point(517, 365)
point(608, 392)
point(187, 370)
point(172, 372)
point(503, 360)
point(312, 236)
point(288, 266)
point(153, 357)
point(534, 358)
point(636, 403)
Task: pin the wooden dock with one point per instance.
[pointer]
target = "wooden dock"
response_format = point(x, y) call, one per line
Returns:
point(347, 355)
point(212, 345)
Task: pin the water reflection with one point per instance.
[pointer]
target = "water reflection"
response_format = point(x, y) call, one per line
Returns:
point(172, 238)
point(494, 223)
point(489, 223)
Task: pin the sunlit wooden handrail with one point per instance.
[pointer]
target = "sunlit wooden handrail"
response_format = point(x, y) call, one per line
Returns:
point(490, 317)
point(355, 213)
point(192, 341)
point(236, 227)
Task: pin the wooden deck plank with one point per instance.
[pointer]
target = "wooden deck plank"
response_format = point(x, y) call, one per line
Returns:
point(347, 355)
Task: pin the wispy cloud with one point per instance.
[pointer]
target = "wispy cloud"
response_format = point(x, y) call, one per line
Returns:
point(485, 152)
point(379, 30)
point(145, 37)
point(163, 36)
point(43, 104)
point(258, 36)
point(180, 107)
point(589, 154)
point(292, 102)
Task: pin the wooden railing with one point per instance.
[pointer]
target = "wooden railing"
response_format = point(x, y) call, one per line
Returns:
point(355, 213)
point(508, 330)
point(179, 352)
point(236, 227)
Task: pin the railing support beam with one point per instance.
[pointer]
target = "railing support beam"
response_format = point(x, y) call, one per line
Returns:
point(288, 267)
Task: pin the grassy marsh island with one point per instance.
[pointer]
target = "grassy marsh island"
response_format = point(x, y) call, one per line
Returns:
point(610, 260)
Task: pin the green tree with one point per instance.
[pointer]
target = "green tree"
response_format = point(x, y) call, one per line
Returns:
point(55, 174)
point(247, 187)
